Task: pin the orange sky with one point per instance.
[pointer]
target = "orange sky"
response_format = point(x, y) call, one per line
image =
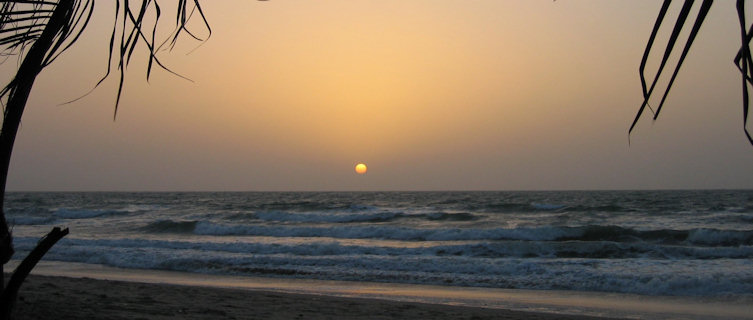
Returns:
point(432, 95)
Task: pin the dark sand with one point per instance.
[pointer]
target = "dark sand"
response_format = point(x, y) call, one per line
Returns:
point(53, 297)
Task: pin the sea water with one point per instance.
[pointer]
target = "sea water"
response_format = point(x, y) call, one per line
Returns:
point(656, 243)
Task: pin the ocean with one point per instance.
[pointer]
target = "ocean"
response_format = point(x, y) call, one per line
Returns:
point(656, 243)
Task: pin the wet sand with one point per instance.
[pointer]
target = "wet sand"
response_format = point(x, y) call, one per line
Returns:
point(65, 290)
point(56, 297)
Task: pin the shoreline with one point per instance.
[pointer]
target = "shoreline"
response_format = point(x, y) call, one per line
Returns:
point(48, 297)
point(180, 290)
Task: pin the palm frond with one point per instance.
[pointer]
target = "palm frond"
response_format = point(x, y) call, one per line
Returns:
point(744, 63)
point(679, 24)
point(22, 22)
point(742, 60)
point(657, 24)
point(705, 7)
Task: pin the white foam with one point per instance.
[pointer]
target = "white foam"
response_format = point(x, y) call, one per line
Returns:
point(441, 264)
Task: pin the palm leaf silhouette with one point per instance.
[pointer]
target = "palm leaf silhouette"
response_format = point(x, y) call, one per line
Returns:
point(745, 63)
point(742, 59)
point(22, 22)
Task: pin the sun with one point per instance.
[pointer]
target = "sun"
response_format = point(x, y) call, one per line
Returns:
point(361, 168)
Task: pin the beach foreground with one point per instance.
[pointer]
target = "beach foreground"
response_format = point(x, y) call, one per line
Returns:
point(64, 290)
point(55, 297)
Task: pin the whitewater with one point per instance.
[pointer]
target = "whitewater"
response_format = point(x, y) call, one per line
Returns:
point(670, 243)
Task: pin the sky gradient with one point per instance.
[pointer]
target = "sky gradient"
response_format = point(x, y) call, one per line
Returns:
point(431, 95)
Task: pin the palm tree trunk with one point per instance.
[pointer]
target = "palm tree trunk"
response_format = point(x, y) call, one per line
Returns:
point(21, 86)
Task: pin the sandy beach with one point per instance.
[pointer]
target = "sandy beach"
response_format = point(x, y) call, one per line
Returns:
point(55, 297)
point(63, 290)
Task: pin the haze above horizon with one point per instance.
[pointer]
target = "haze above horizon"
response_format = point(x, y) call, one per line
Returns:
point(432, 95)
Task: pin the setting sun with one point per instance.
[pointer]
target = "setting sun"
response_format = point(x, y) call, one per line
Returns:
point(361, 168)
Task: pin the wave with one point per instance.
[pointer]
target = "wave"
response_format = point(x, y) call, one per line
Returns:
point(335, 217)
point(714, 237)
point(734, 217)
point(312, 205)
point(428, 265)
point(30, 220)
point(518, 207)
point(600, 208)
point(385, 232)
point(504, 207)
point(459, 216)
point(371, 215)
point(701, 237)
point(80, 213)
point(170, 226)
point(84, 213)
point(684, 243)
point(547, 206)
point(485, 249)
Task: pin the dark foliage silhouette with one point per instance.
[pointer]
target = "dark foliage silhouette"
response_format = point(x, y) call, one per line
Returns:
point(742, 59)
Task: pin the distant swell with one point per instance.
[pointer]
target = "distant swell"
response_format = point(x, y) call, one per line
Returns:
point(310, 206)
point(385, 232)
point(335, 217)
point(83, 213)
point(30, 220)
point(462, 216)
point(702, 237)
